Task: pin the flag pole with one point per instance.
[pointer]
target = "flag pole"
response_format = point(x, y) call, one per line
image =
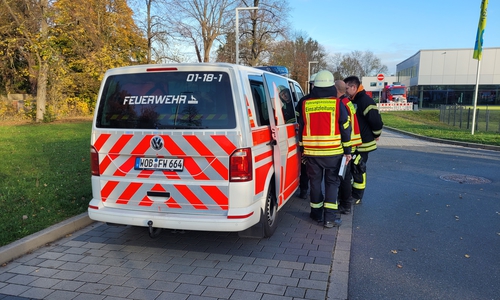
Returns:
point(478, 49)
point(475, 96)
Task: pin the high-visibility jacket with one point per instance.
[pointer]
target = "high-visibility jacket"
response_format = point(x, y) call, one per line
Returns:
point(323, 127)
point(355, 133)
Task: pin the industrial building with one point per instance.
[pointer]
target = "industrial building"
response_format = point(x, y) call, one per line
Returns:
point(446, 76)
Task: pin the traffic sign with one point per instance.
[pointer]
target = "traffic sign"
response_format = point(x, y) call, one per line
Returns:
point(380, 77)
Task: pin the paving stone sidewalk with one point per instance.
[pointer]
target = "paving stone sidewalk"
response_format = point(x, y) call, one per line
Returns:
point(106, 262)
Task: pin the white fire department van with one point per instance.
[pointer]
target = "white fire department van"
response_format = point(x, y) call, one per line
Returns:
point(194, 147)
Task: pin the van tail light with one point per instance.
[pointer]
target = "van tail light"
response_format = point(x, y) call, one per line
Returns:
point(240, 165)
point(94, 161)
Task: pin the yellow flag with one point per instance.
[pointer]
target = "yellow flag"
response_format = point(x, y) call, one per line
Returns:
point(478, 48)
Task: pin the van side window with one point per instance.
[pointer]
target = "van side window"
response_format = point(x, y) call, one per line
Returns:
point(260, 102)
point(279, 90)
point(298, 93)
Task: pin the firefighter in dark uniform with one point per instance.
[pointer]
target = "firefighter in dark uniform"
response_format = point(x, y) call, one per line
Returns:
point(345, 190)
point(324, 134)
point(370, 126)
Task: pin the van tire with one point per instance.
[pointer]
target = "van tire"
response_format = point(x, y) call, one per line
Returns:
point(269, 219)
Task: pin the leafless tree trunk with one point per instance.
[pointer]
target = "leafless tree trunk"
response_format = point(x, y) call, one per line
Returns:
point(201, 22)
point(40, 51)
point(261, 29)
point(155, 23)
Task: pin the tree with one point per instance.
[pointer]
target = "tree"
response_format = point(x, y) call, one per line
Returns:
point(156, 25)
point(360, 64)
point(296, 56)
point(201, 22)
point(261, 28)
point(30, 17)
point(258, 32)
point(91, 37)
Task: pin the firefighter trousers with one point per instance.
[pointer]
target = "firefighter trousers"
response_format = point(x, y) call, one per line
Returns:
point(325, 168)
point(359, 180)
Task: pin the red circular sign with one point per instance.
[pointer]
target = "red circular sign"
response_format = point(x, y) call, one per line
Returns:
point(380, 77)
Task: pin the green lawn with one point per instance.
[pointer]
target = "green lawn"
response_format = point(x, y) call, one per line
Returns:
point(44, 176)
point(426, 122)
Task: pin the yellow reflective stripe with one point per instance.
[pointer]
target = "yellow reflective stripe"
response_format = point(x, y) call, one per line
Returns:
point(346, 144)
point(326, 152)
point(360, 185)
point(330, 205)
point(317, 205)
point(329, 139)
point(346, 124)
point(377, 132)
point(357, 158)
point(367, 147)
point(368, 108)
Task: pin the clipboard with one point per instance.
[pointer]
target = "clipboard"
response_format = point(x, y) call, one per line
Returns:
point(343, 167)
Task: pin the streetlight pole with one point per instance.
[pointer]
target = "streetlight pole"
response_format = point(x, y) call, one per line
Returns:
point(309, 73)
point(237, 33)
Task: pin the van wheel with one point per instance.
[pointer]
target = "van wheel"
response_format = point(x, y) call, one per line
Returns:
point(269, 219)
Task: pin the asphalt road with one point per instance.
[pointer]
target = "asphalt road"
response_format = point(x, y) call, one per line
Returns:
point(429, 225)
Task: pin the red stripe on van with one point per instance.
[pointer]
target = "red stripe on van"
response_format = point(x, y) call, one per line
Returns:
point(189, 163)
point(291, 130)
point(219, 167)
point(101, 140)
point(127, 194)
point(260, 136)
point(145, 174)
point(190, 196)
point(194, 169)
point(171, 175)
point(171, 203)
point(107, 189)
point(118, 146)
point(104, 164)
point(263, 156)
point(143, 145)
point(146, 201)
point(260, 177)
point(198, 145)
point(209, 156)
point(172, 147)
point(224, 143)
point(217, 195)
point(125, 167)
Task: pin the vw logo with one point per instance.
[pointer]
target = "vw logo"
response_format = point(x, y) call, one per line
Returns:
point(157, 143)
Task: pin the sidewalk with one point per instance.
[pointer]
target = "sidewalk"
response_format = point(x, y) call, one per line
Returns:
point(81, 259)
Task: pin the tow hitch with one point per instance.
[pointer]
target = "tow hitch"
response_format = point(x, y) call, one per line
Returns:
point(153, 232)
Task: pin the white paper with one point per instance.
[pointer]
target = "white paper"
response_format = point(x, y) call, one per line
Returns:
point(343, 167)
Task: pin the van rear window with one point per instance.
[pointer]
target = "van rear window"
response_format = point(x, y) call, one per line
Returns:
point(167, 100)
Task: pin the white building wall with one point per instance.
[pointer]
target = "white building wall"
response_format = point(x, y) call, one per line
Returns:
point(452, 67)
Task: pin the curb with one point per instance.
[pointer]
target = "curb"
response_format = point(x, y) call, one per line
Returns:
point(443, 141)
point(36, 240)
point(338, 283)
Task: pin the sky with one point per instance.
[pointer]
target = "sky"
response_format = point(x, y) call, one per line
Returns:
point(394, 30)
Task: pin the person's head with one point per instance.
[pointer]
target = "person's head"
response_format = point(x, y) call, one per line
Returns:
point(311, 81)
point(284, 94)
point(340, 86)
point(323, 79)
point(352, 84)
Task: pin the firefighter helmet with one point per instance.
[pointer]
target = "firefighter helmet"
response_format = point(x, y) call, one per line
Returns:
point(323, 78)
point(313, 76)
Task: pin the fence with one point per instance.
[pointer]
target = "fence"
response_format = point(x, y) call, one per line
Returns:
point(392, 106)
point(461, 116)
